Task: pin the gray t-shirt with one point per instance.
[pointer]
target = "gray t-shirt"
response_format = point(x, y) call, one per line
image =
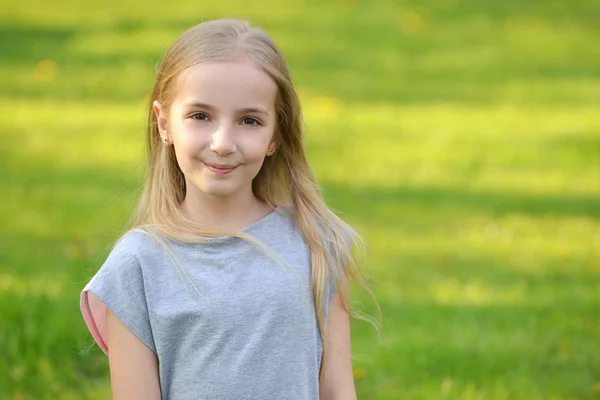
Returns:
point(245, 329)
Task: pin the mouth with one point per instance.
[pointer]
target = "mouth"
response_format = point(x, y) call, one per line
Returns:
point(220, 169)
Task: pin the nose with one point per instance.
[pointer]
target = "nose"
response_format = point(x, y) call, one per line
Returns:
point(223, 141)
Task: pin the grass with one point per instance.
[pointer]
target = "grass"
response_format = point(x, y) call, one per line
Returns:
point(460, 138)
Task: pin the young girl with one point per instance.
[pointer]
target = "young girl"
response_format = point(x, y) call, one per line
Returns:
point(234, 269)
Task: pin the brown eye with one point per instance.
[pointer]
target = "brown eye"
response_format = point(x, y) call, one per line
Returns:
point(251, 121)
point(199, 116)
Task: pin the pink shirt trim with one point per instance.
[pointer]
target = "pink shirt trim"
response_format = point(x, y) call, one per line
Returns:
point(94, 314)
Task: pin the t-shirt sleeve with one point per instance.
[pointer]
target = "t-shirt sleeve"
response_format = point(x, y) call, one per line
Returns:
point(332, 288)
point(118, 286)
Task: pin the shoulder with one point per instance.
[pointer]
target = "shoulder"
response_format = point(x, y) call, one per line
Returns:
point(138, 239)
point(131, 251)
point(337, 232)
point(139, 243)
point(332, 227)
point(128, 265)
point(336, 235)
point(286, 211)
point(282, 219)
point(119, 285)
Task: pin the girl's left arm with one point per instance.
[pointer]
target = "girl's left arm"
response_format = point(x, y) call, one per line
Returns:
point(338, 380)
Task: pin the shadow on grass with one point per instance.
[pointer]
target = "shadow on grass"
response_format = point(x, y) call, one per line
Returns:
point(365, 202)
point(523, 347)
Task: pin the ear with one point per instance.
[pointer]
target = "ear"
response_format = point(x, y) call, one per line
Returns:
point(161, 119)
point(272, 148)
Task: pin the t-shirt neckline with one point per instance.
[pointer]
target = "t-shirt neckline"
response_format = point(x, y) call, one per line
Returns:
point(248, 229)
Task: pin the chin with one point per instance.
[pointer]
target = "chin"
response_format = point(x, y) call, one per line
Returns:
point(218, 189)
point(219, 193)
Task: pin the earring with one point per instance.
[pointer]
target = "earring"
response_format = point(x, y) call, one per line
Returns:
point(270, 149)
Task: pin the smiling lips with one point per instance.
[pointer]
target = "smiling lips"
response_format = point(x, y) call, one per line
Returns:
point(220, 169)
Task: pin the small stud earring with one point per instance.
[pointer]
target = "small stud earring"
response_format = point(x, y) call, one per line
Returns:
point(270, 149)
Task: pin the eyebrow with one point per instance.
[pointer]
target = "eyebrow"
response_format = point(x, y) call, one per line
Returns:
point(195, 104)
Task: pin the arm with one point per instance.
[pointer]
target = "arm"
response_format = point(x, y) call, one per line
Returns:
point(133, 366)
point(338, 380)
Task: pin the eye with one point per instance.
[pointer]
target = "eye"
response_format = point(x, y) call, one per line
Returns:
point(200, 116)
point(251, 121)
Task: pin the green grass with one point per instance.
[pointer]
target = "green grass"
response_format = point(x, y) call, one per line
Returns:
point(462, 139)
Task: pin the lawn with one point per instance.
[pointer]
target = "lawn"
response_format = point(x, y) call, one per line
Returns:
point(461, 139)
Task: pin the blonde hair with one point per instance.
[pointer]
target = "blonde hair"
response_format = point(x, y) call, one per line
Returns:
point(285, 178)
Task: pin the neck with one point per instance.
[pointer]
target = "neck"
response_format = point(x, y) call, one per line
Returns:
point(233, 212)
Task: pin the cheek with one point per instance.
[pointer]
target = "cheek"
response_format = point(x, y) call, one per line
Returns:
point(189, 143)
point(188, 148)
point(255, 150)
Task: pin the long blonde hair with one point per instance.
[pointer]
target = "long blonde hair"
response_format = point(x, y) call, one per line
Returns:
point(285, 178)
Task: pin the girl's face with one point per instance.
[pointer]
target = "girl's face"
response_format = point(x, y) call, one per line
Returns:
point(221, 124)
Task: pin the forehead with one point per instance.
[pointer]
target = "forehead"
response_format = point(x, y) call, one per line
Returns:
point(226, 85)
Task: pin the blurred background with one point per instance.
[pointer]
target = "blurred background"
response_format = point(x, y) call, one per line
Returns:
point(461, 138)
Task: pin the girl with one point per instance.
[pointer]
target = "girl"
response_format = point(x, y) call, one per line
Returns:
point(234, 269)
